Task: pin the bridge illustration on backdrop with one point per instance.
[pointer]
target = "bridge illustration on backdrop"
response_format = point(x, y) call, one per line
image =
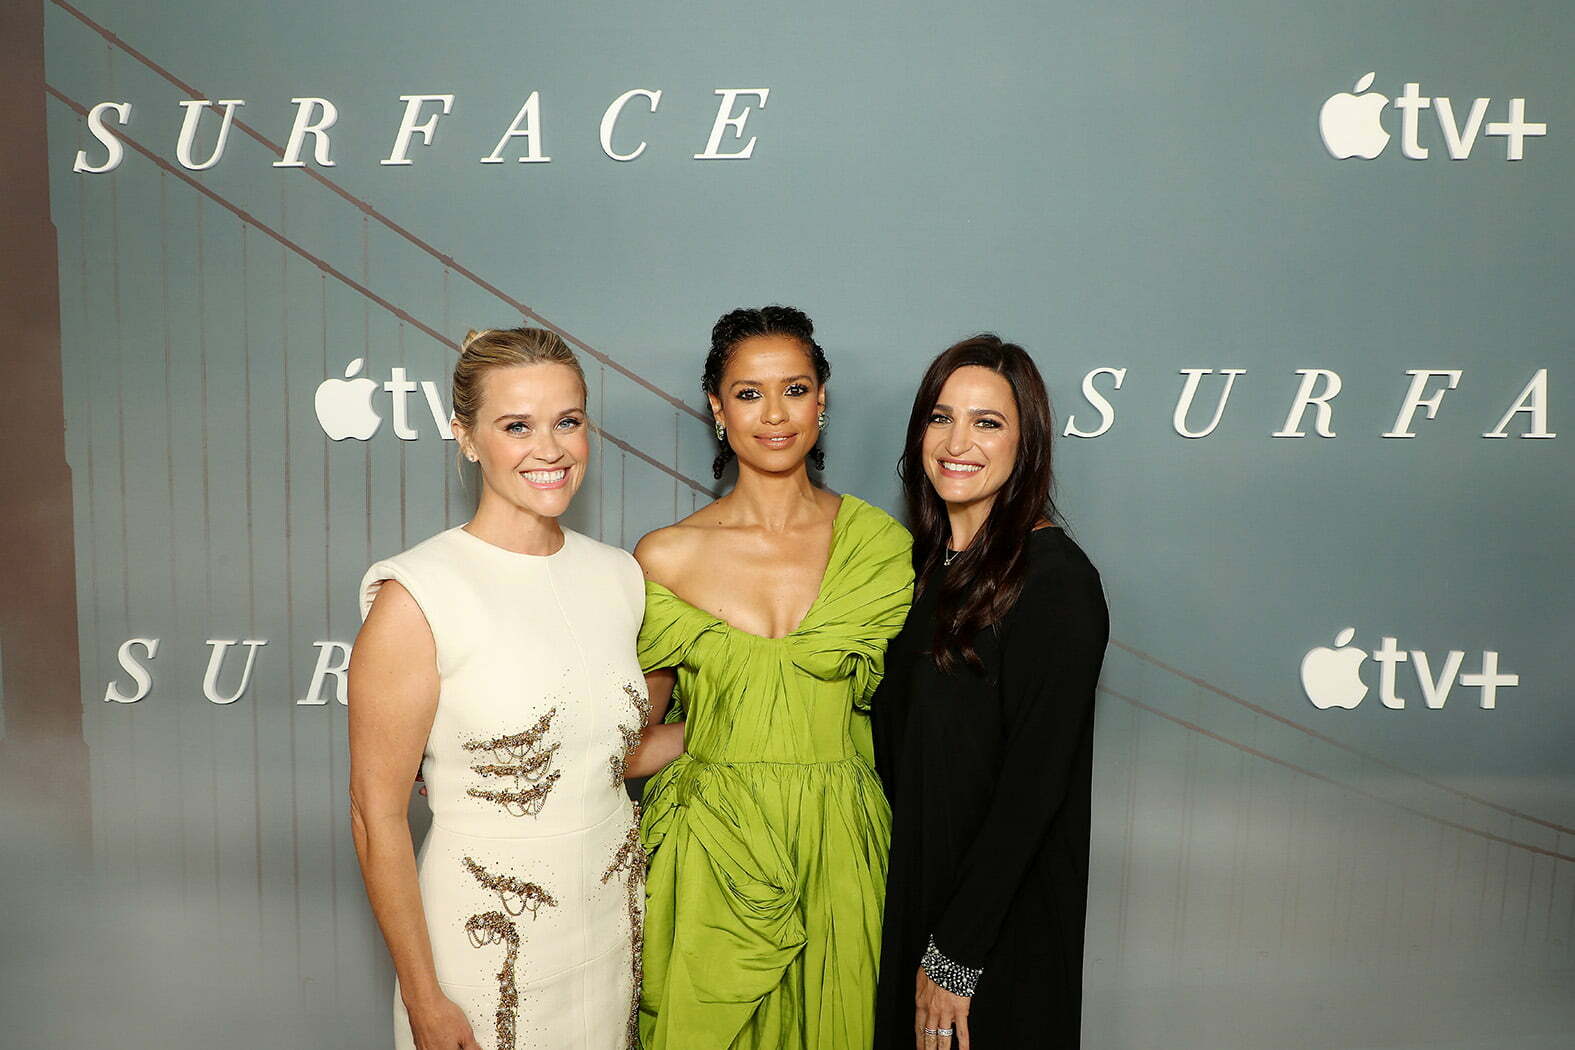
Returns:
point(1207, 714)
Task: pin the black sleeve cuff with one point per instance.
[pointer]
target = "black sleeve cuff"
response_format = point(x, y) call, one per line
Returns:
point(949, 973)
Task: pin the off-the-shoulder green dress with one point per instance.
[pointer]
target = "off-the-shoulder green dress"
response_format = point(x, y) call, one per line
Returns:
point(768, 837)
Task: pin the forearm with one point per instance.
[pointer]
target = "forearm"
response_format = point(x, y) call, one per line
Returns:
point(1049, 750)
point(1046, 686)
point(388, 867)
point(659, 745)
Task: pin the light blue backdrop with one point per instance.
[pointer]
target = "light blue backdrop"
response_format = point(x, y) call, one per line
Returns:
point(1130, 186)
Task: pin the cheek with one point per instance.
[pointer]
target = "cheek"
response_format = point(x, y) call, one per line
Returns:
point(1003, 456)
point(578, 444)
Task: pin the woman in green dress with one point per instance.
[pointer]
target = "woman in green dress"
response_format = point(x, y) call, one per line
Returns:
point(766, 622)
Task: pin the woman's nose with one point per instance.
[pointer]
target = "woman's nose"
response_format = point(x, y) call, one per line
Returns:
point(548, 448)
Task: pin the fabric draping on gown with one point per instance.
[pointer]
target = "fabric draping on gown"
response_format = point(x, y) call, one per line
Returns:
point(768, 837)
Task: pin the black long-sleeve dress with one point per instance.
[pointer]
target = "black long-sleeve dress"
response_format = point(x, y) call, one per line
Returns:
point(988, 775)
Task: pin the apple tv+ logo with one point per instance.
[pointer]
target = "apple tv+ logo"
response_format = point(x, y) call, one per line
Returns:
point(345, 409)
point(1332, 677)
point(1350, 124)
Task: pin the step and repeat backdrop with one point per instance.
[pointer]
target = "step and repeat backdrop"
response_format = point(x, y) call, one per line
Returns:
point(1298, 275)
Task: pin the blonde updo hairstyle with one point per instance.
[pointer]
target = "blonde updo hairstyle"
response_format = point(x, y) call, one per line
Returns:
point(489, 348)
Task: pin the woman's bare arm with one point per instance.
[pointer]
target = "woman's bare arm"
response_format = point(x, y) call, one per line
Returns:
point(660, 553)
point(659, 743)
point(393, 694)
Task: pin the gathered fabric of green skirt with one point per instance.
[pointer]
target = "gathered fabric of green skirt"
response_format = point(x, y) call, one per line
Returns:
point(768, 836)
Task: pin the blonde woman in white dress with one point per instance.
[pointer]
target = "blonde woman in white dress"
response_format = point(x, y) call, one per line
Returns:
point(498, 658)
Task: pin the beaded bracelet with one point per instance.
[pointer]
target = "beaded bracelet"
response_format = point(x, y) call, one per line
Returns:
point(949, 973)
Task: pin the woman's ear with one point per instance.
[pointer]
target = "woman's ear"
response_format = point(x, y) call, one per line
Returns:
point(462, 436)
point(716, 407)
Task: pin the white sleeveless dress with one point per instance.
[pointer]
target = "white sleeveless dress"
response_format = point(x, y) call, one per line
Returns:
point(532, 876)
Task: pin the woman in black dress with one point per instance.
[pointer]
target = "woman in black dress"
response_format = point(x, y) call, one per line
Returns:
point(984, 724)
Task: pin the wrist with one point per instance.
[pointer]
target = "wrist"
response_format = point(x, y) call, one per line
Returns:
point(421, 996)
point(948, 973)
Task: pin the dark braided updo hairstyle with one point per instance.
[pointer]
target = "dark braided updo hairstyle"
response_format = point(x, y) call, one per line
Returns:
point(733, 328)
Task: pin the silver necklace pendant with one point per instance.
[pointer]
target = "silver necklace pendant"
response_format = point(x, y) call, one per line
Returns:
point(951, 556)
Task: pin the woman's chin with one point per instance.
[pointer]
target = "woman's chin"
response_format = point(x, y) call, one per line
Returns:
point(784, 462)
point(545, 503)
point(956, 492)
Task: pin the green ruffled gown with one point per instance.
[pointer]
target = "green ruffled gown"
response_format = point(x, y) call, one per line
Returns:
point(768, 837)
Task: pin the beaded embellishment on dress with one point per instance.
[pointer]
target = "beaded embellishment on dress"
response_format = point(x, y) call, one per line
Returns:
point(630, 859)
point(495, 927)
point(522, 758)
point(630, 732)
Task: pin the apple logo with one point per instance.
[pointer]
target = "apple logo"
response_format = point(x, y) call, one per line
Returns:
point(1349, 123)
point(1332, 677)
point(344, 406)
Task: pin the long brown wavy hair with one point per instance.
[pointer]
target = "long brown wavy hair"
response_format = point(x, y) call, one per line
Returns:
point(977, 591)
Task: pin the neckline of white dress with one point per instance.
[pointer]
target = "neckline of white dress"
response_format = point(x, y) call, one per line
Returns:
point(515, 554)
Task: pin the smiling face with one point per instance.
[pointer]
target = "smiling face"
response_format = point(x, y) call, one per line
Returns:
point(531, 437)
point(768, 399)
point(970, 443)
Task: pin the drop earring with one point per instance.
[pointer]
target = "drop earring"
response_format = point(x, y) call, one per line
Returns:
point(721, 430)
point(820, 420)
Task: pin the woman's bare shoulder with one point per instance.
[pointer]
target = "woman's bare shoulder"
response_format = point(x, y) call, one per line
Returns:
point(396, 633)
point(665, 554)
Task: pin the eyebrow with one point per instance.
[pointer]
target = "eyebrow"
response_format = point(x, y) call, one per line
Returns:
point(972, 411)
point(761, 382)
